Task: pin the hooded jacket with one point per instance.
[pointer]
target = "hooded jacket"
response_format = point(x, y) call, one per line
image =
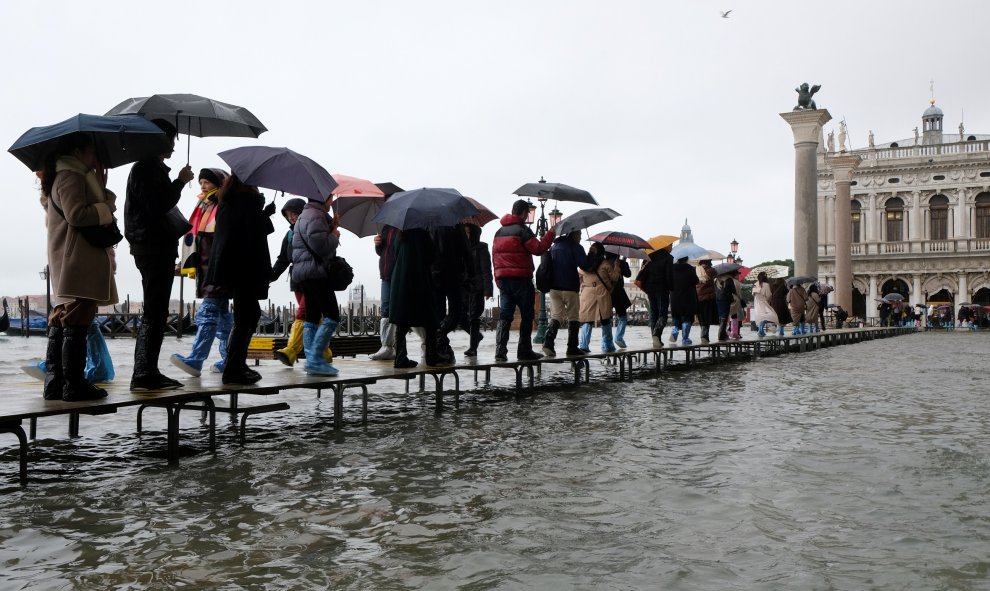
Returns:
point(514, 247)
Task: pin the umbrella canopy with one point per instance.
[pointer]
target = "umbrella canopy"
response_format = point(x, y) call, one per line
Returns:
point(581, 219)
point(689, 250)
point(620, 239)
point(484, 215)
point(723, 268)
point(119, 140)
point(893, 297)
point(743, 272)
point(714, 255)
point(280, 169)
point(389, 189)
point(425, 208)
point(557, 191)
point(625, 251)
point(351, 186)
point(660, 241)
point(801, 279)
point(194, 115)
point(357, 203)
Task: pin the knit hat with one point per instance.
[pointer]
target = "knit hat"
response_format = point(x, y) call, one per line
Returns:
point(294, 205)
point(214, 175)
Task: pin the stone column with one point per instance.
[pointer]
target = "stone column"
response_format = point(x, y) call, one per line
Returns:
point(842, 170)
point(961, 230)
point(916, 295)
point(806, 126)
point(871, 302)
point(917, 219)
point(963, 295)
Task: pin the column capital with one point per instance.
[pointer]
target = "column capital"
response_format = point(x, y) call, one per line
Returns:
point(843, 167)
point(806, 124)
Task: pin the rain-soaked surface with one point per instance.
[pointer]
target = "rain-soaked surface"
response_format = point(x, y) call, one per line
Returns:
point(857, 467)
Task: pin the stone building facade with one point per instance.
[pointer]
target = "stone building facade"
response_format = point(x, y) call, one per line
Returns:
point(920, 217)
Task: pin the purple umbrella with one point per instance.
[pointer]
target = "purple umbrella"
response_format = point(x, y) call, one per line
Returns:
point(280, 169)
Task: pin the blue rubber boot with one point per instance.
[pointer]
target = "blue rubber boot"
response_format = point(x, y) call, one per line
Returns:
point(620, 332)
point(224, 324)
point(99, 364)
point(762, 332)
point(584, 340)
point(780, 330)
point(673, 333)
point(315, 341)
point(686, 334)
point(607, 345)
point(207, 318)
point(797, 330)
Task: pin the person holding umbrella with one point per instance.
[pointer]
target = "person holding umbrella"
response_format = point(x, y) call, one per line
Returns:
point(763, 304)
point(683, 299)
point(598, 277)
point(620, 299)
point(707, 310)
point(154, 246)
point(239, 265)
point(656, 279)
point(811, 307)
point(567, 254)
point(452, 268)
point(797, 302)
point(384, 241)
point(82, 274)
point(513, 250)
point(477, 289)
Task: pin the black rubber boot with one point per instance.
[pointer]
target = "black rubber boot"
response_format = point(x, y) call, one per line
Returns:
point(53, 364)
point(444, 351)
point(573, 330)
point(474, 330)
point(502, 340)
point(235, 369)
point(549, 337)
point(524, 351)
point(146, 351)
point(402, 360)
point(75, 388)
point(433, 357)
point(723, 333)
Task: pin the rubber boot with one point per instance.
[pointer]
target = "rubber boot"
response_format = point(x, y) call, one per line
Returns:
point(734, 329)
point(290, 353)
point(502, 340)
point(524, 350)
point(723, 323)
point(584, 338)
point(620, 332)
point(387, 350)
point(147, 348)
point(573, 328)
point(75, 388)
point(53, 364)
point(761, 332)
point(549, 337)
point(608, 346)
point(401, 360)
point(474, 330)
point(236, 370)
point(433, 356)
point(99, 364)
point(444, 350)
point(658, 333)
point(316, 365)
point(797, 329)
point(224, 327)
point(686, 333)
point(780, 329)
point(207, 319)
point(673, 333)
point(421, 333)
point(705, 333)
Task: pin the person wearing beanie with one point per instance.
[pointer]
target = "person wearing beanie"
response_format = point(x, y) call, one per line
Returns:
point(213, 318)
point(513, 250)
point(154, 246)
point(291, 211)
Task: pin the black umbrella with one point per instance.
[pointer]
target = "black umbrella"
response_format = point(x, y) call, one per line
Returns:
point(280, 169)
point(119, 140)
point(801, 279)
point(425, 208)
point(389, 188)
point(557, 191)
point(724, 268)
point(581, 219)
point(194, 115)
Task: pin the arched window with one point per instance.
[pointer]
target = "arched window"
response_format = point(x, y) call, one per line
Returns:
point(895, 219)
point(857, 210)
point(938, 207)
point(983, 215)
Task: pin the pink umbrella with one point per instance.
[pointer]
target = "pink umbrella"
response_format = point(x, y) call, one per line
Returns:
point(357, 201)
point(350, 186)
point(484, 216)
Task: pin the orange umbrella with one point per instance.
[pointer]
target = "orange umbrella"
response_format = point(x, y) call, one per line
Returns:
point(660, 241)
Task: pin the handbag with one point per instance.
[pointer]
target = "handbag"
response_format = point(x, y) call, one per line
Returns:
point(339, 272)
point(101, 236)
point(177, 223)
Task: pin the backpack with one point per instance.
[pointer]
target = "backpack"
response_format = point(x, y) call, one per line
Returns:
point(544, 273)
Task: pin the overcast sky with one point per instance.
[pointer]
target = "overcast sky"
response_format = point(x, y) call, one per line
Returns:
point(663, 110)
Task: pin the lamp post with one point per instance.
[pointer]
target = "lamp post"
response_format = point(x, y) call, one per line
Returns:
point(733, 249)
point(44, 274)
point(542, 227)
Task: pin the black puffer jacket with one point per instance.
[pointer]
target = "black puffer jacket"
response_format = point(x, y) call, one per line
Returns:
point(150, 194)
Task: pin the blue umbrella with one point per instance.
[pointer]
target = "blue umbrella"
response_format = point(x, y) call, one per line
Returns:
point(425, 208)
point(280, 169)
point(689, 250)
point(119, 139)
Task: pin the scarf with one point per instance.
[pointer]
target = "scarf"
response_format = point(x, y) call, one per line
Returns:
point(204, 217)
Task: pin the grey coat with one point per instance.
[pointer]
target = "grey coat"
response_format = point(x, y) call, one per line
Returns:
point(312, 229)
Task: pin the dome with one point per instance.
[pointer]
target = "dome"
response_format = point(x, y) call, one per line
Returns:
point(685, 227)
point(932, 111)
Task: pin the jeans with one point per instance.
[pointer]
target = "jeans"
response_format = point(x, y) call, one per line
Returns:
point(516, 292)
point(659, 307)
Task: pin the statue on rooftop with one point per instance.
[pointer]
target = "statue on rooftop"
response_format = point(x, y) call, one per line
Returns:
point(804, 97)
point(871, 140)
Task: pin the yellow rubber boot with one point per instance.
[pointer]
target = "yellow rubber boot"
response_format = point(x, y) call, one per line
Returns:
point(290, 353)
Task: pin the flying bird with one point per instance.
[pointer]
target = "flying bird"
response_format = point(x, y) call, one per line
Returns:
point(726, 13)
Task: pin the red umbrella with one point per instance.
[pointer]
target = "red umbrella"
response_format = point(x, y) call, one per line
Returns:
point(357, 201)
point(743, 271)
point(484, 216)
point(620, 239)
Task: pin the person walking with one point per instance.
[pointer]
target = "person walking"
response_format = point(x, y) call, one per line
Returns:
point(707, 310)
point(683, 299)
point(598, 277)
point(656, 279)
point(797, 302)
point(567, 255)
point(154, 246)
point(293, 347)
point(213, 318)
point(315, 238)
point(620, 299)
point(240, 265)
point(513, 250)
point(412, 297)
point(451, 269)
point(763, 304)
point(384, 240)
point(73, 186)
point(725, 291)
point(477, 289)
point(737, 310)
point(812, 306)
point(778, 298)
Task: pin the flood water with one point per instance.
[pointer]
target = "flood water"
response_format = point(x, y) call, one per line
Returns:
point(857, 467)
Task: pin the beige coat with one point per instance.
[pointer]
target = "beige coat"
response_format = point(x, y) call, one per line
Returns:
point(797, 299)
point(79, 270)
point(596, 294)
point(811, 308)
